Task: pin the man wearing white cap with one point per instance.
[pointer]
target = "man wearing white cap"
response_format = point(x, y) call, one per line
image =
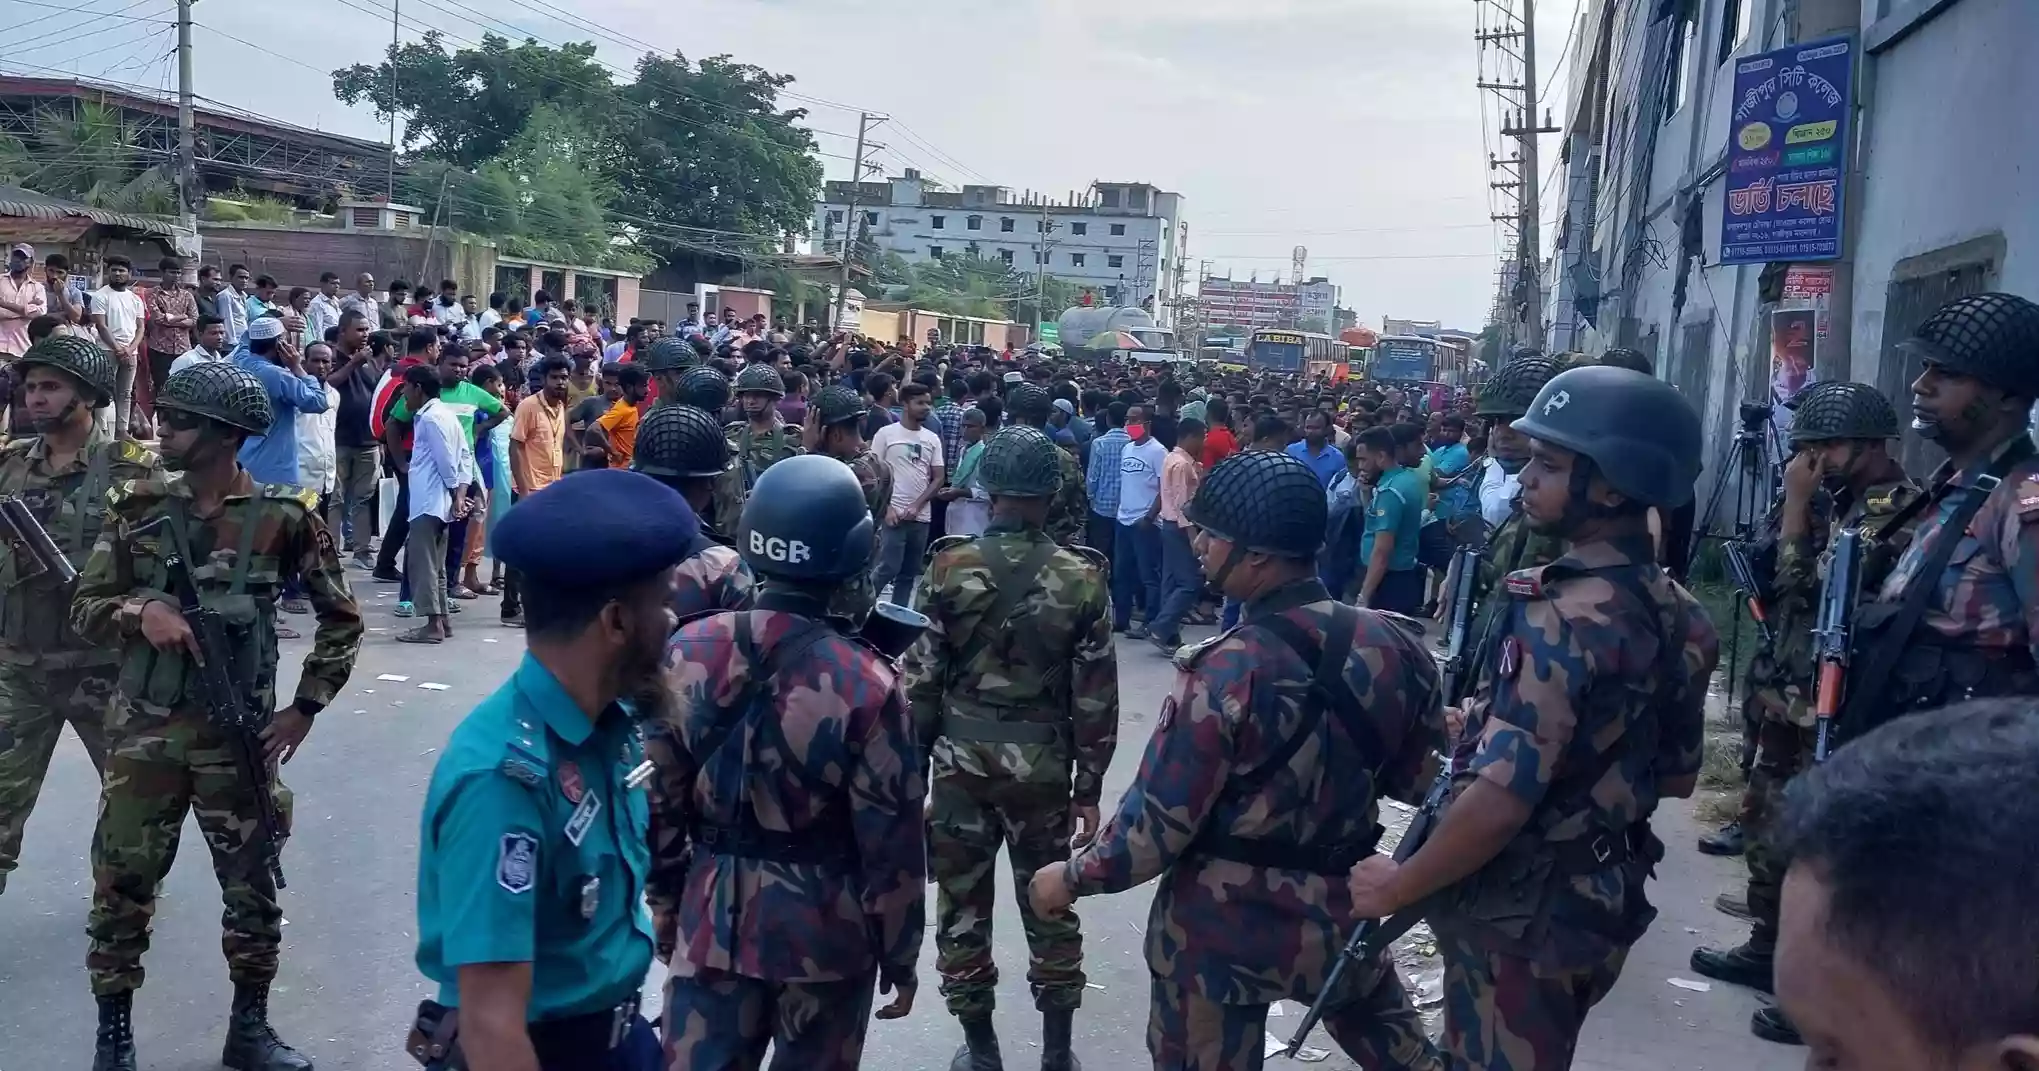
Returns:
point(22, 298)
point(271, 354)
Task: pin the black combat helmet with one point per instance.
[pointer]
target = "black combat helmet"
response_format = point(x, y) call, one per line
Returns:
point(1262, 502)
point(1638, 430)
point(222, 392)
point(680, 441)
point(838, 405)
point(1836, 410)
point(1029, 403)
point(760, 379)
point(704, 388)
point(1990, 337)
point(1020, 461)
point(669, 354)
point(1508, 392)
point(807, 519)
point(81, 359)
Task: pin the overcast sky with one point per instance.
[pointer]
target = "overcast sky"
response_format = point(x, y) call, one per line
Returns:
point(1351, 127)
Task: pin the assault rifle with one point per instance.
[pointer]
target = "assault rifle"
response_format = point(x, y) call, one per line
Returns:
point(1460, 623)
point(230, 711)
point(32, 539)
point(1831, 634)
point(1372, 935)
point(1744, 576)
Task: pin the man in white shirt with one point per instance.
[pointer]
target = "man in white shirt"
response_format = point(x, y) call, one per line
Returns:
point(913, 452)
point(117, 317)
point(210, 344)
point(446, 308)
point(1136, 552)
point(317, 454)
point(364, 300)
point(493, 315)
point(438, 493)
point(324, 312)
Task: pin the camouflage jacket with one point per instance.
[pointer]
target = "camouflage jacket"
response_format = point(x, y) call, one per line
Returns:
point(1989, 595)
point(714, 579)
point(1050, 660)
point(70, 503)
point(1069, 510)
point(725, 505)
point(1782, 673)
point(853, 600)
point(279, 531)
point(1584, 707)
point(753, 453)
point(1235, 933)
point(825, 746)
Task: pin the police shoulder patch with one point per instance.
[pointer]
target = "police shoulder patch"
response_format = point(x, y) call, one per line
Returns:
point(517, 863)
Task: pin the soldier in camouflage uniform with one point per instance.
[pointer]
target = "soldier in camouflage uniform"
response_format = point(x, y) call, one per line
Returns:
point(1015, 690)
point(668, 362)
point(1260, 788)
point(762, 438)
point(1588, 712)
point(1514, 545)
point(167, 757)
point(789, 856)
point(1069, 511)
point(48, 675)
point(680, 446)
point(1840, 433)
point(835, 427)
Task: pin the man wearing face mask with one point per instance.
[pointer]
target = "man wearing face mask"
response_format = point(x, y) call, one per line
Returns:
point(1511, 543)
point(48, 675)
point(1958, 616)
point(166, 754)
point(1841, 433)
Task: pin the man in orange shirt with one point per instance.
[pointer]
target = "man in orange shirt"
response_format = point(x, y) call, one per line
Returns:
point(1182, 576)
point(615, 432)
point(537, 455)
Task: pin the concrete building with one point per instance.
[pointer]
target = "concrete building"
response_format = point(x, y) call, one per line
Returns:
point(1119, 240)
point(1644, 167)
point(1252, 304)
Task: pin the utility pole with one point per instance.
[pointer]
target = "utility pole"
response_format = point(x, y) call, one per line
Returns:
point(1041, 272)
point(395, 41)
point(187, 125)
point(1524, 299)
point(850, 223)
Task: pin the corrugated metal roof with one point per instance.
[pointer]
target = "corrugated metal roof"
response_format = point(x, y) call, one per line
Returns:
point(28, 204)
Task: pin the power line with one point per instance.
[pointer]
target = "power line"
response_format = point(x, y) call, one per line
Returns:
point(74, 9)
point(28, 44)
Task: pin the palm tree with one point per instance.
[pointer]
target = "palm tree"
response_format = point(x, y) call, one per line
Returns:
point(85, 156)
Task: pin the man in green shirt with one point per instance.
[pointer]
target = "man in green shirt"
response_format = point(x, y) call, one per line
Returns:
point(1387, 549)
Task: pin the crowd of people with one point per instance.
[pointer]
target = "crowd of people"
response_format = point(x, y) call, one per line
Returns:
point(841, 619)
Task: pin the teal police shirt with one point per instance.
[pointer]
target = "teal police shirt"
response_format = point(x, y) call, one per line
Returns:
point(1397, 507)
point(534, 849)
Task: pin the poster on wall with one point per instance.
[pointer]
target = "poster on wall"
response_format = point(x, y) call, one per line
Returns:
point(1787, 154)
point(1793, 349)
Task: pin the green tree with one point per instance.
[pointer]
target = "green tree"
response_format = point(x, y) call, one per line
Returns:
point(84, 153)
point(1314, 324)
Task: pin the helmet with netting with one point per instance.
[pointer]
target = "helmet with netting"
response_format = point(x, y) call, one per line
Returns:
point(1264, 502)
point(680, 441)
point(1508, 392)
point(1020, 461)
point(1638, 430)
point(221, 391)
point(760, 379)
point(82, 359)
point(1836, 410)
point(704, 388)
point(669, 354)
point(1029, 403)
point(838, 405)
point(1991, 337)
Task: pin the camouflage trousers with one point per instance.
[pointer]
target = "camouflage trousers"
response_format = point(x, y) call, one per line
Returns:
point(159, 769)
point(718, 1021)
point(1504, 1013)
point(972, 816)
point(36, 702)
point(1378, 1028)
point(1782, 750)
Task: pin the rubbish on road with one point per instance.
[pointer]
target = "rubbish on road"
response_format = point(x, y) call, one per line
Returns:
point(1307, 1054)
point(391, 677)
point(433, 686)
point(490, 639)
point(360, 712)
point(1687, 983)
point(1093, 985)
point(1276, 1010)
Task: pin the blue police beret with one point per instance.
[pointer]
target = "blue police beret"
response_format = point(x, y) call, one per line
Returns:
point(601, 526)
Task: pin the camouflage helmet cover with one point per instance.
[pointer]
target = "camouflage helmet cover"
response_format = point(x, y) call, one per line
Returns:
point(1838, 410)
point(669, 354)
point(1508, 392)
point(1991, 337)
point(221, 391)
point(680, 441)
point(838, 405)
point(760, 379)
point(704, 388)
point(80, 358)
point(1264, 502)
point(1020, 461)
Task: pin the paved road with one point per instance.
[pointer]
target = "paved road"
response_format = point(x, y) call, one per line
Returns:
point(348, 985)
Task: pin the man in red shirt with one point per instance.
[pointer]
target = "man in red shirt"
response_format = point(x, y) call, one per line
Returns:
point(1219, 442)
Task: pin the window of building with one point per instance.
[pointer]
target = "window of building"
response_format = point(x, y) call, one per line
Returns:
point(935, 252)
point(1111, 295)
point(1136, 200)
point(1076, 259)
point(1037, 256)
point(938, 222)
point(1680, 65)
point(975, 223)
point(1108, 197)
point(835, 216)
point(1118, 230)
point(1734, 27)
point(1079, 228)
point(1005, 255)
point(1040, 226)
point(870, 219)
point(1115, 262)
point(1005, 224)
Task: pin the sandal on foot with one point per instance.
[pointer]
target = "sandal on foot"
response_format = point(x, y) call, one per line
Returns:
point(421, 634)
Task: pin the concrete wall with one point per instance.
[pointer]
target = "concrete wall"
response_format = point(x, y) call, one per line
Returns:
point(296, 256)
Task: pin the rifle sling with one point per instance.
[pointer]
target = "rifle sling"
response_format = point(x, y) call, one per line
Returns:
point(1010, 583)
point(95, 486)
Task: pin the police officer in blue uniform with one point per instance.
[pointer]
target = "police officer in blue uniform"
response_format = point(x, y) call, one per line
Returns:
point(534, 851)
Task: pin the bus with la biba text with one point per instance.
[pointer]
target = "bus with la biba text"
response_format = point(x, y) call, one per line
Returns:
point(1292, 351)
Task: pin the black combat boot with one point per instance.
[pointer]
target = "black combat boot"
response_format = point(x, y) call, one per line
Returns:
point(1728, 840)
point(1055, 1054)
point(252, 1044)
point(980, 1048)
point(1745, 964)
point(116, 1046)
point(1770, 1024)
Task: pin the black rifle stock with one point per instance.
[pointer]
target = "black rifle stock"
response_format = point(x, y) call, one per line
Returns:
point(230, 712)
point(1831, 636)
point(1460, 623)
point(1372, 935)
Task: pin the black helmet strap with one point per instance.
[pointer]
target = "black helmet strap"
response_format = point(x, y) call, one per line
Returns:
point(1232, 561)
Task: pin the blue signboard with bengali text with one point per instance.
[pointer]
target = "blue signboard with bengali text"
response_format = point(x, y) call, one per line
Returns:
point(1787, 156)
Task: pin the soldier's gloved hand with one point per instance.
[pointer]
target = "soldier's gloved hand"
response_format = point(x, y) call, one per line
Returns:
point(902, 1004)
point(1083, 820)
point(166, 630)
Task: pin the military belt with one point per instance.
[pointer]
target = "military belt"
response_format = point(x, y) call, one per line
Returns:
point(1605, 849)
point(1268, 853)
point(986, 731)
